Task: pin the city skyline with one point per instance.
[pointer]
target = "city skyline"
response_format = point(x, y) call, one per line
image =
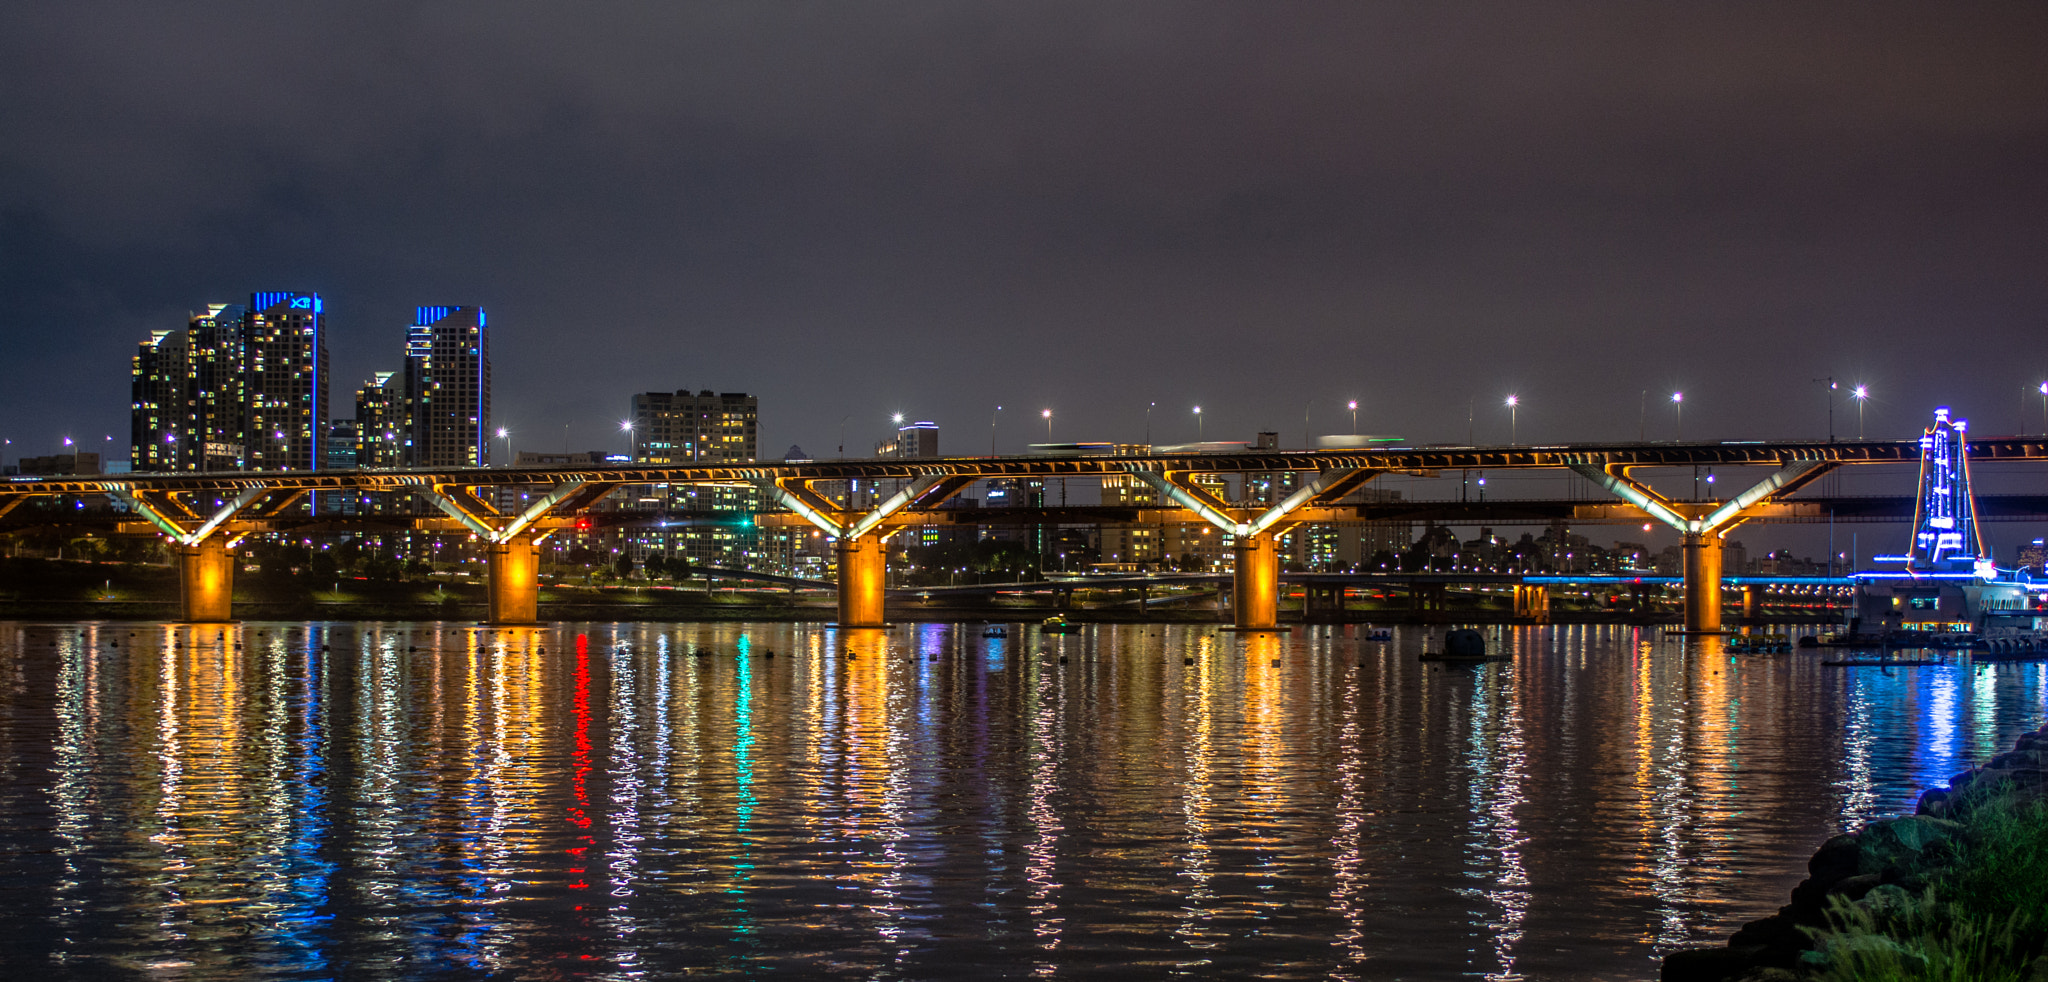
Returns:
point(1587, 207)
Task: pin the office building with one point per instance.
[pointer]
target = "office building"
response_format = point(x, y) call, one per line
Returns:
point(447, 388)
point(681, 427)
point(919, 439)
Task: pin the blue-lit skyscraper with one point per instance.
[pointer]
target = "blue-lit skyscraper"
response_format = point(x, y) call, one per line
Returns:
point(284, 372)
point(447, 390)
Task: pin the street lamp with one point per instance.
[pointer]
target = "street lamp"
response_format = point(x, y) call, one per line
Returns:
point(2044, 407)
point(1861, 393)
point(1198, 424)
point(1678, 407)
point(1514, 408)
point(1047, 413)
point(626, 427)
point(1354, 416)
point(992, 430)
point(506, 435)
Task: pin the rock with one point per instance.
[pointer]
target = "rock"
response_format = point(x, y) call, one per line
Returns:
point(1706, 964)
point(1933, 802)
point(1901, 842)
point(1764, 931)
point(1836, 858)
point(1854, 887)
point(1770, 975)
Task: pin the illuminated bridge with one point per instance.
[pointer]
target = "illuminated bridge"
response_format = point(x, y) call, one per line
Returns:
point(204, 535)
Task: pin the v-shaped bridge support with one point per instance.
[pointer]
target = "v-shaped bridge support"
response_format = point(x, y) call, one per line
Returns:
point(861, 537)
point(1255, 586)
point(206, 559)
point(1703, 528)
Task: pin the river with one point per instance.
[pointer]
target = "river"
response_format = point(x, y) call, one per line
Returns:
point(445, 801)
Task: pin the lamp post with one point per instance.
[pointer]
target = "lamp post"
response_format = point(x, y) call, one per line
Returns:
point(626, 427)
point(1047, 413)
point(1198, 424)
point(1678, 408)
point(1148, 425)
point(506, 435)
point(1861, 393)
point(1514, 409)
point(1830, 380)
point(1354, 416)
point(992, 430)
point(2044, 407)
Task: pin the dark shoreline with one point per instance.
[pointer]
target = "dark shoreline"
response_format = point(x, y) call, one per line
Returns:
point(1895, 852)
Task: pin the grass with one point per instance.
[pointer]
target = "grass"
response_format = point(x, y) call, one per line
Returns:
point(1983, 915)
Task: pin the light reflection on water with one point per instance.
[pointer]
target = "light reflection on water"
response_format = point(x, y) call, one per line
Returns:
point(300, 801)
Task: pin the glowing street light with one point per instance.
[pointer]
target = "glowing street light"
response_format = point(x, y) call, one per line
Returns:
point(1861, 393)
point(1198, 423)
point(896, 418)
point(1047, 413)
point(1354, 416)
point(2044, 407)
point(506, 435)
point(1678, 407)
point(1514, 409)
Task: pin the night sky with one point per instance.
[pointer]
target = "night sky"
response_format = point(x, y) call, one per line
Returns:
point(853, 210)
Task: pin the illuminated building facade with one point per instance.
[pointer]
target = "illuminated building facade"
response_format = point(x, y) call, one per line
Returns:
point(447, 389)
point(201, 392)
point(381, 434)
point(703, 427)
point(911, 440)
point(284, 367)
point(1945, 513)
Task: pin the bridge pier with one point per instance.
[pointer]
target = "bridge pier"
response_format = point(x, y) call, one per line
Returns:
point(1532, 602)
point(1702, 581)
point(1749, 602)
point(863, 580)
point(206, 582)
point(1255, 587)
point(512, 580)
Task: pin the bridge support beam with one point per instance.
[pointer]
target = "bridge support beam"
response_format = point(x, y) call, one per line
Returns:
point(1749, 602)
point(206, 582)
point(512, 571)
point(1702, 582)
point(1532, 602)
point(1255, 588)
point(863, 580)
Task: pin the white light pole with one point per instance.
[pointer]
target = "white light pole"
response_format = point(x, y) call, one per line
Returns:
point(1354, 416)
point(626, 427)
point(1514, 410)
point(992, 430)
point(1861, 393)
point(1047, 413)
point(1198, 423)
point(506, 435)
point(1678, 408)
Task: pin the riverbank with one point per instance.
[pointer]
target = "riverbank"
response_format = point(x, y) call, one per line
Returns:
point(1957, 890)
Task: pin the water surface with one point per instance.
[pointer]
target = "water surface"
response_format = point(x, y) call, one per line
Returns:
point(342, 800)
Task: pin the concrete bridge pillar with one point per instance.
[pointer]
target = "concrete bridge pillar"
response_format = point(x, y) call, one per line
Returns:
point(1533, 602)
point(206, 579)
point(1255, 589)
point(1702, 581)
point(1750, 593)
point(863, 579)
point(512, 581)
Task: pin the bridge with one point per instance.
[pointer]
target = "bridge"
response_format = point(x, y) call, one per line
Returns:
point(178, 506)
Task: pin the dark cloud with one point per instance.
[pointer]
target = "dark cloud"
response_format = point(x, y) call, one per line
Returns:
point(861, 208)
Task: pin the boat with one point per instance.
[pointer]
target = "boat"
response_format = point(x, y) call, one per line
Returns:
point(1463, 645)
point(1379, 634)
point(1058, 624)
point(995, 632)
point(1759, 644)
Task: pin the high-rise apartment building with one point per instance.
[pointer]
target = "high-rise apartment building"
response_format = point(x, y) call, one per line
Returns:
point(448, 388)
point(284, 369)
point(381, 433)
point(919, 439)
point(202, 395)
